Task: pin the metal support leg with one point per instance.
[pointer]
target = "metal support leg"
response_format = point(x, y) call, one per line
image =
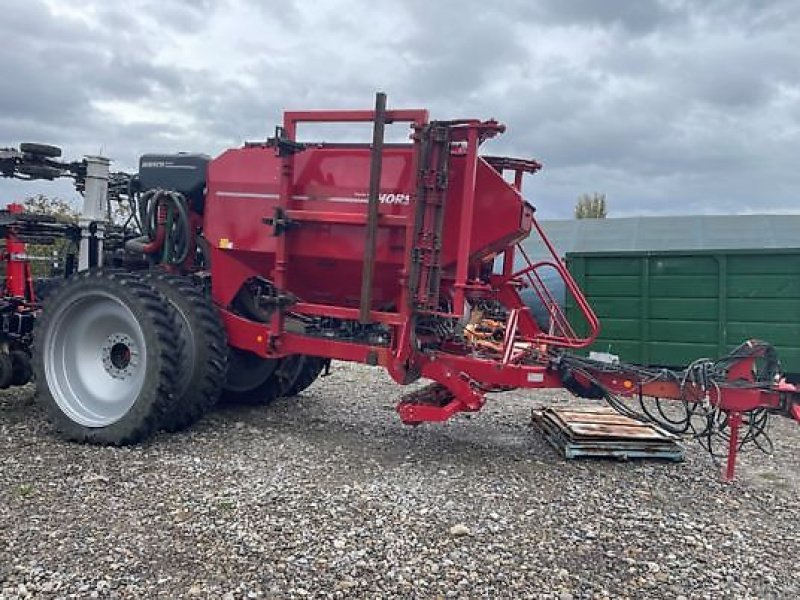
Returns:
point(734, 422)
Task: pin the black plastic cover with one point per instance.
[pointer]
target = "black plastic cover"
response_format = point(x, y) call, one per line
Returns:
point(182, 172)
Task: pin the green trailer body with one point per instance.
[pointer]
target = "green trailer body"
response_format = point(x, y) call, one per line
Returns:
point(669, 308)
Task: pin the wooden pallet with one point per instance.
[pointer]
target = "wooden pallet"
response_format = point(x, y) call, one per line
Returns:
point(604, 433)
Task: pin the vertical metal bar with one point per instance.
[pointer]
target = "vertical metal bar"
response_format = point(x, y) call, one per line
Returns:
point(518, 179)
point(423, 141)
point(403, 335)
point(508, 261)
point(465, 226)
point(372, 207)
point(441, 188)
point(734, 422)
point(279, 271)
point(508, 256)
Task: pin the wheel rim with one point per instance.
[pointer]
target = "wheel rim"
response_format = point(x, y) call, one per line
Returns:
point(96, 359)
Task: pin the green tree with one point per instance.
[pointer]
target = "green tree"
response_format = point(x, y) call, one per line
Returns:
point(55, 207)
point(45, 258)
point(591, 206)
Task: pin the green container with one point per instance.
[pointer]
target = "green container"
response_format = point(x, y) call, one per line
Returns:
point(670, 308)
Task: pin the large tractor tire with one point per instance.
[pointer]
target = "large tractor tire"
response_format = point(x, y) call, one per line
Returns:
point(311, 369)
point(258, 381)
point(204, 361)
point(106, 358)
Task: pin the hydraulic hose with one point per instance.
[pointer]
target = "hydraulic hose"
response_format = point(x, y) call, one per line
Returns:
point(166, 226)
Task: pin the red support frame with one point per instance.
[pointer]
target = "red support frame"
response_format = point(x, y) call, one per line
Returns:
point(464, 372)
point(402, 357)
point(739, 394)
point(19, 279)
point(465, 226)
point(416, 118)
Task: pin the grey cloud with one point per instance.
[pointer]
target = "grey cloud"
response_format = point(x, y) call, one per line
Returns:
point(669, 107)
point(635, 16)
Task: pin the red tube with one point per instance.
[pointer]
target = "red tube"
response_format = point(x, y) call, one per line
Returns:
point(161, 232)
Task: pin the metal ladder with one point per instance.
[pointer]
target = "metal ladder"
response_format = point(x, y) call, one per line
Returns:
point(432, 182)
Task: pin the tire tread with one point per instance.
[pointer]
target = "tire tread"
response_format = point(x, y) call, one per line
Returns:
point(162, 319)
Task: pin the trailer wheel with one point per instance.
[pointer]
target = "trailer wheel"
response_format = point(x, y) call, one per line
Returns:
point(204, 360)
point(106, 358)
point(250, 378)
point(259, 381)
point(288, 373)
point(312, 367)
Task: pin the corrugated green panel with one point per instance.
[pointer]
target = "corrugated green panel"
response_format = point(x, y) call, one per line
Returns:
point(765, 264)
point(778, 334)
point(686, 306)
point(763, 286)
point(628, 349)
point(612, 285)
point(683, 265)
point(678, 355)
point(682, 331)
point(623, 308)
point(621, 329)
point(684, 309)
point(790, 358)
point(764, 310)
point(614, 265)
point(681, 286)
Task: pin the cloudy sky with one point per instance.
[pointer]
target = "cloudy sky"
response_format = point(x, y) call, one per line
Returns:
point(675, 107)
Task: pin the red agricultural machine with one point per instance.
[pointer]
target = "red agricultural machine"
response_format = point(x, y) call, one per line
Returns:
point(242, 276)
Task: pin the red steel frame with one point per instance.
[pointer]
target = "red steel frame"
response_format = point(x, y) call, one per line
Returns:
point(464, 377)
point(739, 394)
point(527, 358)
point(401, 360)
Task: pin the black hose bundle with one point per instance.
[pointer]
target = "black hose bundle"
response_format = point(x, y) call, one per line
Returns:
point(702, 420)
point(177, 230)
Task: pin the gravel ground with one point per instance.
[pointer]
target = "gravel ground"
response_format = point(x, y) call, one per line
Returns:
point(329, 495)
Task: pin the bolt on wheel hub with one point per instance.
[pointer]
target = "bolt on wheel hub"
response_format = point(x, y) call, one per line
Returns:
point(120, 355)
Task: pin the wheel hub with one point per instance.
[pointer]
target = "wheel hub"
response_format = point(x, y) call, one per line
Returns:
point(120, 356)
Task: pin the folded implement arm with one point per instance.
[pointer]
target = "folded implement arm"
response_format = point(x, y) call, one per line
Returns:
point(728, 400)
